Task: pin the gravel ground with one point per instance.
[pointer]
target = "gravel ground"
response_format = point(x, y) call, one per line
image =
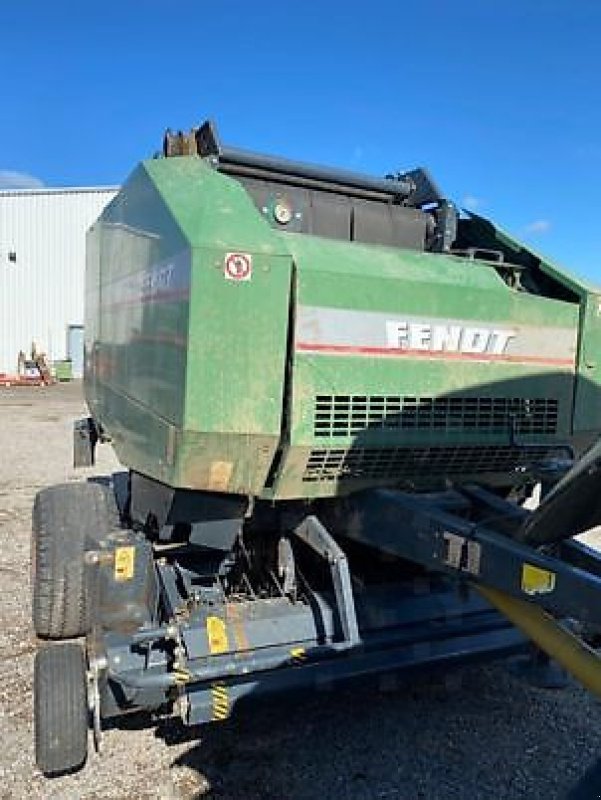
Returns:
point(480, 733)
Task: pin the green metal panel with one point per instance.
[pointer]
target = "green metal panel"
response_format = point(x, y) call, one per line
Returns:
point(236, 367)
point(587, 410)
point(187, 368)
point(359, 288)
point(135, 376)
point(415, 378)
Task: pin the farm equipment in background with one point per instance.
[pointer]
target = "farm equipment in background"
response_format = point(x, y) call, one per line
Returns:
point(332, 394)
point(32, 371)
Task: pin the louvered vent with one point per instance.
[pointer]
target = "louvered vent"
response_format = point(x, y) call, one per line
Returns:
point(398, 463)
point(346, 415)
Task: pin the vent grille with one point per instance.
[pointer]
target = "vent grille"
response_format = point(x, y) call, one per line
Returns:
point(398, 463)
point(346, 415)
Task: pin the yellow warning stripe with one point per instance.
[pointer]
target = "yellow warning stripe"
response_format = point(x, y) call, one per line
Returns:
point(221, 701)
point(182, 676)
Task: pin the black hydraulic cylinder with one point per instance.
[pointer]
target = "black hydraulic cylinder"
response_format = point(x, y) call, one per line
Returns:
point(397, 187)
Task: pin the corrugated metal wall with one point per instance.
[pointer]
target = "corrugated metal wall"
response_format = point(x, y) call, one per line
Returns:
point(42, 282)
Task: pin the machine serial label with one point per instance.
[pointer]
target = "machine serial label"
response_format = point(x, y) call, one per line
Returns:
point(339, 331)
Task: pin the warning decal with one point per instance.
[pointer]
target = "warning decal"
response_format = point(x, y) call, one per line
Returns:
point(536, 580)
point(125, 561)
point(238, 266)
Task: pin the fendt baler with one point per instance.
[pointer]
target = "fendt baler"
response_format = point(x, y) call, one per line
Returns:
point(332, 394)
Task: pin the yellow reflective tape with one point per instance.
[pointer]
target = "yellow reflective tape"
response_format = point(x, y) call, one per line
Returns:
point(298, 653)
point(217, 635)
point(125, 559)
point(536, 580)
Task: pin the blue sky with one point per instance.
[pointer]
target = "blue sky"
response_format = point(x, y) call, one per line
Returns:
point(501, 100)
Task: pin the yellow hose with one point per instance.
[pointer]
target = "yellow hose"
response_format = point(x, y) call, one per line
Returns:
point(568, 650)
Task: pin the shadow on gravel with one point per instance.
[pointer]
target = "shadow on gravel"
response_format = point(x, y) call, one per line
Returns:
point(589, 787)
point(474, 734)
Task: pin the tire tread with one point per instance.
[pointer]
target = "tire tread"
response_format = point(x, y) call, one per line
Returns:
point(60, 709)
point(66, 519)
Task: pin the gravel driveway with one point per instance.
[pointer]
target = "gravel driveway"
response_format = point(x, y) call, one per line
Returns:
point(478, 734)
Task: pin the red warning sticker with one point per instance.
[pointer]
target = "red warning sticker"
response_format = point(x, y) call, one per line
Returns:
point(238, 266)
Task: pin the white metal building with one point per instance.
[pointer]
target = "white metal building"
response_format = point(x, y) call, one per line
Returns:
point(42, 265)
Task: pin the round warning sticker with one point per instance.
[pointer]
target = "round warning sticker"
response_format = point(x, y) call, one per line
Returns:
point(238, 266)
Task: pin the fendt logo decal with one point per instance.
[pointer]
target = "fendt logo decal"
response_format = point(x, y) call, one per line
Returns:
point(425, 336)
point(165, 282)
point(352, 332)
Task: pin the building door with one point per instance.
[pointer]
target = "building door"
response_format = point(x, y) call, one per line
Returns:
point(75, 349)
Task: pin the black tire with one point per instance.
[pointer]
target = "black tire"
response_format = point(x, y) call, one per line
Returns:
point(67, 519)
point(60, 709)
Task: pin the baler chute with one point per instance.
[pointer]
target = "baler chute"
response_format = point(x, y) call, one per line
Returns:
point(332, 394)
